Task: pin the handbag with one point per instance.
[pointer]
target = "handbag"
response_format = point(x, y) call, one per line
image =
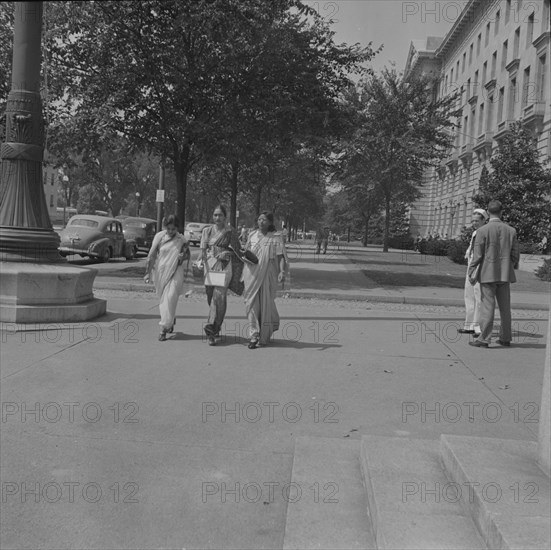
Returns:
point(245, 255)
point(219, 278)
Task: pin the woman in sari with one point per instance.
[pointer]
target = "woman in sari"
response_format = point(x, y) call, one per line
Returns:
point(220, 246)
point(165, 265)
point(261, 280)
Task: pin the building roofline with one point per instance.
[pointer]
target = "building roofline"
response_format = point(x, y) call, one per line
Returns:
point(459, 25)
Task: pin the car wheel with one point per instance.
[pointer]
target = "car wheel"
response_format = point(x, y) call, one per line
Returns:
point(133, 252)
point(105, 255)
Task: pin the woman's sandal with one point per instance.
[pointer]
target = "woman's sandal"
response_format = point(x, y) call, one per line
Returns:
point(253, 343)
point(171, 329)
point(162, 336)
point(212, 341)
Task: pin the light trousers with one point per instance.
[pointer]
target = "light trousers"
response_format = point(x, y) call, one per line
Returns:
point(472, 306)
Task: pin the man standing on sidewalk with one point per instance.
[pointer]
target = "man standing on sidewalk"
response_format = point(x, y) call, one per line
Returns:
point(496, 256)
point(472, 293)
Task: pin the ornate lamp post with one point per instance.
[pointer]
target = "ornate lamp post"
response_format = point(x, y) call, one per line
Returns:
point(33, 292)
point(26, 233)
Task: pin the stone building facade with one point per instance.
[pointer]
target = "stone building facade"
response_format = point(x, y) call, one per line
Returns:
point(496, 57)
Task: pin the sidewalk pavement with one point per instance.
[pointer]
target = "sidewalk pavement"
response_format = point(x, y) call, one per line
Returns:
point(112, 439)
point(337, 276)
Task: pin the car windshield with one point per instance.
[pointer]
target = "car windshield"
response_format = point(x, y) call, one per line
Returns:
point(84, 223)
point(141, 225)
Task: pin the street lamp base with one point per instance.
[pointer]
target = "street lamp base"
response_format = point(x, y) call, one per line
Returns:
point(29, 244)
point(47, 293)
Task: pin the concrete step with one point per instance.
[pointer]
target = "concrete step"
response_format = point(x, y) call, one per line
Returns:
point(509, 496)
point(407, 501)
point(330, 512)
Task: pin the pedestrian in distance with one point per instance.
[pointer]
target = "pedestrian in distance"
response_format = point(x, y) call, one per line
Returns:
point(165, 267)
point(261, 280)
point(220, 247)
point(472, 293)
point(322, 239)
point(496, 256)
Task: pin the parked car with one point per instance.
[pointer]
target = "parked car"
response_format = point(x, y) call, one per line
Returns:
point(96, 237)
point(193, 232)
point(141, 230)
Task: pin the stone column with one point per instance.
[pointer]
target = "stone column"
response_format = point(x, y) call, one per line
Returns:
point(26, 233)
point(544, 436)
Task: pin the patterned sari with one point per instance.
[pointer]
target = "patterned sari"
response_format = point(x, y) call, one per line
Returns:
point(167, 273)
point(261, 285)
point(218, 245)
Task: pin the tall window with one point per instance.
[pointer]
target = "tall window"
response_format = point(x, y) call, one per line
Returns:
point(507, 11)
point(494, 64)
point(504, 55)
point(457, 70)
point(468, 89)
point(475, 83)
point(487, 39)
point(490, 116)
point(530, 31)
point(464, 130)
point(463, 63)
point(470, 54)
point(472, 126)
point(500, 102)
point(478, 44)
point(542, 78)
point(481, 119)
point(516, 43)
point(512, 99)
point(484, 72)
point(526, 88)
point(496, 26)
point(451, 77)
point(546, 12)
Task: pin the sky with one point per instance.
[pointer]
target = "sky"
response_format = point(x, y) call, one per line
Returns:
point(393, 23)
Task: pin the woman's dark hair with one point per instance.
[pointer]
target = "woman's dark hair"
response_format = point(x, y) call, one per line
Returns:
point(270, 218)
point(222, 208)
point(171, 220)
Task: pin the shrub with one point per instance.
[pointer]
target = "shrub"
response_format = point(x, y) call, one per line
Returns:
point(456, 252)
point(436, 247)
point(403, 242)
point(544, 272)
point(529, 248)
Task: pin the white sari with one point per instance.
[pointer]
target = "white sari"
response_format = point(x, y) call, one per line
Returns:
point(167, 274)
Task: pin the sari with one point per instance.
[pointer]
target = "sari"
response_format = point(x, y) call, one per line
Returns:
point(261, 285)
point(218, 245)
point(167, 273)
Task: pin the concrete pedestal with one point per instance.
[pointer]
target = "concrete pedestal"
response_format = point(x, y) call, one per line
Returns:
point(42, 293)
point(544, 436)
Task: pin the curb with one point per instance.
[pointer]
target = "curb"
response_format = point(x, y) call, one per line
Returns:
point(305, 295)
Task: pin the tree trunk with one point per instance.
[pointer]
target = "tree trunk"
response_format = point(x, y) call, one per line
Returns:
point(364, 240)
point(181, 169)
point(387, 225)
point(233, 200)
point(258, 199)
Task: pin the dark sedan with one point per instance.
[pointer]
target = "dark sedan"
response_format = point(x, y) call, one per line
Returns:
point(141, 230)
point(96, 237)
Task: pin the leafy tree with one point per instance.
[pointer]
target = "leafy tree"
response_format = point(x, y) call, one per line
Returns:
point(520, 183)
point(401, 131)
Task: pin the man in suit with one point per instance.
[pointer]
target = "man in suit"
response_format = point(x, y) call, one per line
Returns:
point(496, 255)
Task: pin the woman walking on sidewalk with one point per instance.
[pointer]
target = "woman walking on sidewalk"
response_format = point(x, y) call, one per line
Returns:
point(219, 247)
point(165, 265)
point(261, 280)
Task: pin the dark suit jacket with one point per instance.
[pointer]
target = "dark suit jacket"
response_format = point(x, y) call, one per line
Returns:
point(496, 252)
